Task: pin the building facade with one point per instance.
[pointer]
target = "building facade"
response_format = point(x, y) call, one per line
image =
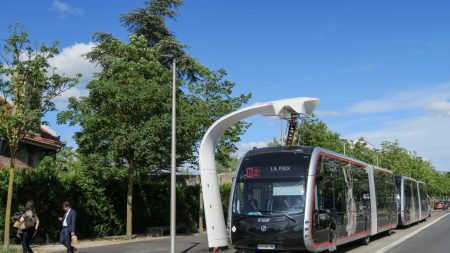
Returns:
point(32, 149)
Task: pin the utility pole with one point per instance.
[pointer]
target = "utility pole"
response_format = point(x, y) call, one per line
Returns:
point(173, 181)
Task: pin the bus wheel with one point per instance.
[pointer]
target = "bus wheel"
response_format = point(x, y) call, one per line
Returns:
point(389, 232)
point(366, 240)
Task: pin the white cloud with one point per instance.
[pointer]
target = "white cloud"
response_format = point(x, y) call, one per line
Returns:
point(428, 135)
point(405, 100)
point(70, 61)
point(417, 118)
point(64, 8)
point(440, 108)
point(62, 100)
point(246, 146)
point(329, 113)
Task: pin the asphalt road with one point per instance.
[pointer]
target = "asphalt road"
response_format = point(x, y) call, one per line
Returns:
point(434, 239)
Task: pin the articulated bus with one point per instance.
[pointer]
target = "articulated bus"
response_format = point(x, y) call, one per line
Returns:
point(308, 198)
point(412, 201)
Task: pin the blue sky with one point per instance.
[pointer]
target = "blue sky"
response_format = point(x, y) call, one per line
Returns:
point(380, 68)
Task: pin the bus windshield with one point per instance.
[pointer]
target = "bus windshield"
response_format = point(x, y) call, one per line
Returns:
point(271, 184)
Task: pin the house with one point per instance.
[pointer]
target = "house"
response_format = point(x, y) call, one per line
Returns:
point(32, 149)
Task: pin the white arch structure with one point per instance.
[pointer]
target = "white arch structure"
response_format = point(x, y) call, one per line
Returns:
point(215, 224)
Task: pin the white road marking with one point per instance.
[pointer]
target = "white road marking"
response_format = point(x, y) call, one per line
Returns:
point(406, 237)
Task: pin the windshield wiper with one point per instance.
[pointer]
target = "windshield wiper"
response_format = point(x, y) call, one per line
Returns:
point(286, 215)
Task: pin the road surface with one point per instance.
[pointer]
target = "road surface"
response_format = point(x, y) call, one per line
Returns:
point(433, 239)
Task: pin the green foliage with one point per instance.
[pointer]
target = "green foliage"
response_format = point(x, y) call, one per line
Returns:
point(225, 190)
point(150, 22)
point(130, 100)
point(231, 165)
point(316, 133)
point(49, 187)
point(126, 119)
point(27, 84)
point(8, 249)
point(98, 196)
point(391, 156)
point(208, 95)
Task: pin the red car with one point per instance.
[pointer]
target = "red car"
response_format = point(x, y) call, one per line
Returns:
point(440, 205)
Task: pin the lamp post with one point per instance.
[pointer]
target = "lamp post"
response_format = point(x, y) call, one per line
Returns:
point(345, 144)
point(173, 180)
point(173, 175)
point(376, 151)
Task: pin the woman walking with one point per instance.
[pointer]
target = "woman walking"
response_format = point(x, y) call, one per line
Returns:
point(28, 227)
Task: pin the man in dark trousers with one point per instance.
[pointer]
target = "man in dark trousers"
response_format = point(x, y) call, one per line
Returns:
point(68, 227)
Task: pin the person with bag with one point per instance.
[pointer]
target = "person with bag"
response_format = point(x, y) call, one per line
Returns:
point(68, 227)
point(28, 225)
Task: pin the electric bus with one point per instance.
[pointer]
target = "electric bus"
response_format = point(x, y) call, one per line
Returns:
point(307, 198)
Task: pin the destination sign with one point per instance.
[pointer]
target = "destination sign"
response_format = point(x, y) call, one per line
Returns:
point(280, 165)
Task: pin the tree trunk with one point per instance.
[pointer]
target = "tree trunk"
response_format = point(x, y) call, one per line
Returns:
point(9, 200)
point(131, 170)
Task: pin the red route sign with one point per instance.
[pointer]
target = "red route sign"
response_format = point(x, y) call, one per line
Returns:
point(252, 172)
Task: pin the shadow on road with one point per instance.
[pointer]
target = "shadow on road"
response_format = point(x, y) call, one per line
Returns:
point(193, 246)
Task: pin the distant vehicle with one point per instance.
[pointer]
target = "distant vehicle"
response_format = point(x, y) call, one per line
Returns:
point(440, 205)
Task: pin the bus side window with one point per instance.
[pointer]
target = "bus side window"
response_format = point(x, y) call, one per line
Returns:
point(331, 185)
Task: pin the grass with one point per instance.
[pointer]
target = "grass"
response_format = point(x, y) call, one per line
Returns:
point(9, 249)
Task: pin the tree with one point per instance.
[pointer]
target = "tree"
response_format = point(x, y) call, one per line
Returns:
point(131, 99)
point(126, 117)
point(126, 112)
point(313, 132)
point(150, 22)
point(362, 151)
point(205, 88)
point(28, 84)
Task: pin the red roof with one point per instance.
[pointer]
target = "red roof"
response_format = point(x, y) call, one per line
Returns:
point(45, 138)
point(49, 142)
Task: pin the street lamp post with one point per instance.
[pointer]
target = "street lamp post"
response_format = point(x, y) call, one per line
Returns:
point(376, 152)
point(173, 174)
point(173, 180)
point(345, 144)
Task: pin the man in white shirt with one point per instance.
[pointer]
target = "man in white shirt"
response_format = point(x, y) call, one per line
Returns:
point(68, 227)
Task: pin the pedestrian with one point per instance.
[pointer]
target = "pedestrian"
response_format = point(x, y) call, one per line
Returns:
point(68, 227)
point(29, 224)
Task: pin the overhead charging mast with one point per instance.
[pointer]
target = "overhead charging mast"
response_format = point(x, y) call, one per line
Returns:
point(286, 109)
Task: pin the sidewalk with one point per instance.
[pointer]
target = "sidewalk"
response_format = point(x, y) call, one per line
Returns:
point(56, 247)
